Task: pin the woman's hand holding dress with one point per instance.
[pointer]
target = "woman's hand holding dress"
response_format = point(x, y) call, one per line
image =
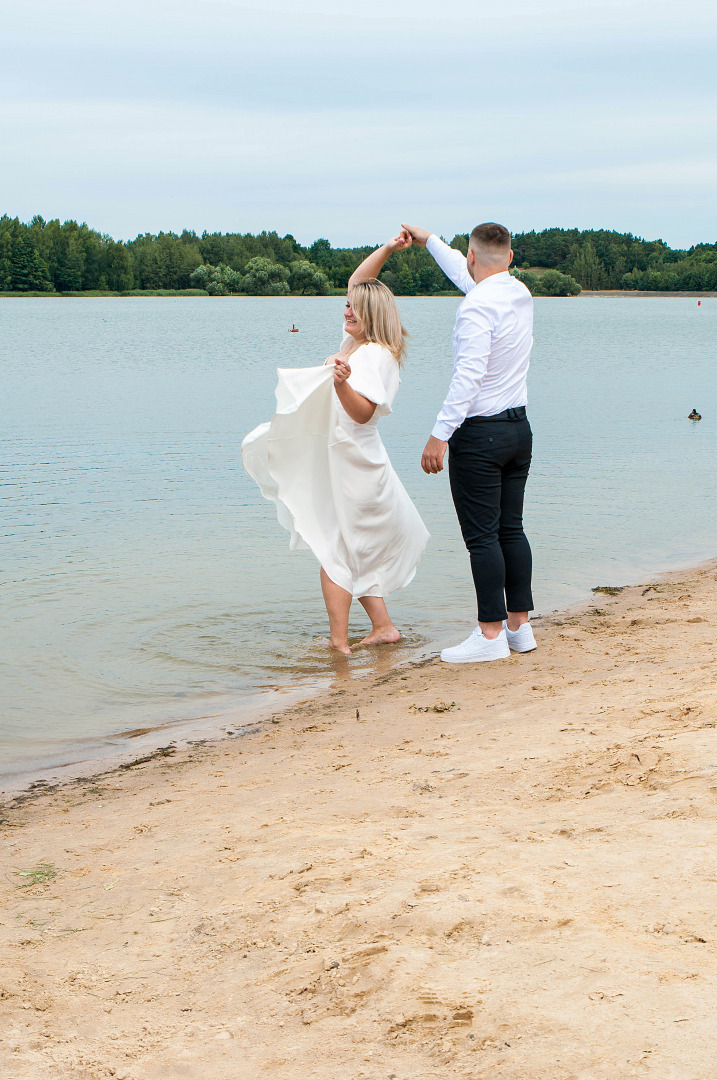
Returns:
point(359, 408)
point(342, 370)
point(330, 477)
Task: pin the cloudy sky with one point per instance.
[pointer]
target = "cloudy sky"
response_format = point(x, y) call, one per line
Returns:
point(327, 118)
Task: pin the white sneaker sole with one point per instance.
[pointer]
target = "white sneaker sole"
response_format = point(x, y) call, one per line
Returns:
point(522, 648)
point(473, 659)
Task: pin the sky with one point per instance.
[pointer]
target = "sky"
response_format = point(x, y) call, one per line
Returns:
point(322, 118)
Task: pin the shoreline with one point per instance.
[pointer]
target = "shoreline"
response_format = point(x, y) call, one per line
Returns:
point(97, 757)
point(202, 294)
point(436, 872)
point(619, 293)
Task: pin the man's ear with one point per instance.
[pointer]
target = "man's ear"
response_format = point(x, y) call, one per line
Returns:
point(471, 257)
point(511, 257)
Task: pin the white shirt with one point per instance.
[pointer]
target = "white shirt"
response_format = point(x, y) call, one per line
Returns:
point(492, 340)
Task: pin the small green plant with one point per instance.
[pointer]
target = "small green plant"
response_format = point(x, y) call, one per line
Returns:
point(42, 874)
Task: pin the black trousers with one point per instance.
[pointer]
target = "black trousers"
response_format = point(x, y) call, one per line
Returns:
point(488, 464)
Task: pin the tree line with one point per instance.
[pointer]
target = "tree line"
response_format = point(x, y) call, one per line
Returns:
point(67, 257)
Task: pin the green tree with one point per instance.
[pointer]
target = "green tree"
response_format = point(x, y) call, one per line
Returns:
point(265, 278)
point(164, 261)
point(587, 268)
point(405, 282)
point(70, 268)
point(549, 283)
point(430, 277)
point(74, 256)
point(28, 271)
point(460, 242)
point(118, 267)
point(321, 254)
point(217, 280)
point(283, 249)
point(305, 278)
point(553, 283)
point(5, 257)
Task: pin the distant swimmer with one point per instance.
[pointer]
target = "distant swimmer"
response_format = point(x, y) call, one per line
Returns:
point(694, 415)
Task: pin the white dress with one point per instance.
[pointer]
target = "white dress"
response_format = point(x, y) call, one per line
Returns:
point(334, 487)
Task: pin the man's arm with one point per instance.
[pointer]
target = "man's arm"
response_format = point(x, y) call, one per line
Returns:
point(452, 263)
point(472, 342)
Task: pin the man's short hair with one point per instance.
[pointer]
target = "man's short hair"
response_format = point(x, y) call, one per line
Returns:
point(491, 236)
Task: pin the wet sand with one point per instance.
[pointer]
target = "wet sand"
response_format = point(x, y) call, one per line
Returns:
point(501, 870)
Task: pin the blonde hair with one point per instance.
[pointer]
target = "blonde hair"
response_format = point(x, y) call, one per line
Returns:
point(375, 307)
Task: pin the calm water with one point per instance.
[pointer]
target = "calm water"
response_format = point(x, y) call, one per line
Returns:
point(145, 580)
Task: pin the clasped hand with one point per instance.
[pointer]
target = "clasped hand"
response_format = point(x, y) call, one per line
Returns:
point(342, 368)
point(402, 242)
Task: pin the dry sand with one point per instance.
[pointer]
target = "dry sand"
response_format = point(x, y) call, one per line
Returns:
point(523, 886)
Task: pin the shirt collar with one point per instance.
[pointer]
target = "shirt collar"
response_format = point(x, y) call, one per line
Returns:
point(486, 281)
point(492, 277)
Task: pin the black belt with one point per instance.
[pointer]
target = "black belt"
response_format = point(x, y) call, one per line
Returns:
point(517, 413)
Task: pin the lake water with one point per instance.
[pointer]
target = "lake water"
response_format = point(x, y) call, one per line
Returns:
point(145, 580)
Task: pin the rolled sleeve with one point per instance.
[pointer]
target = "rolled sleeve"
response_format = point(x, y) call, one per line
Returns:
point(472, 344)
point(452, 262)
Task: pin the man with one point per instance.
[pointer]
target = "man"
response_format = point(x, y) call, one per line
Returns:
point(484, 422)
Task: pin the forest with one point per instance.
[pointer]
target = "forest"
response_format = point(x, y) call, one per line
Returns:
point(52, 257)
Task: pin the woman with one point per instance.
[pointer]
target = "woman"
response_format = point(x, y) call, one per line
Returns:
point(321, 460)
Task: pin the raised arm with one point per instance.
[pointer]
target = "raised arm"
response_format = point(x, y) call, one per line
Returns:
point(453, 263)
point(373, 264)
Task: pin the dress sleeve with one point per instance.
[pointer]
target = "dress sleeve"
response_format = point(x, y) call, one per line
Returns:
point(374, 375)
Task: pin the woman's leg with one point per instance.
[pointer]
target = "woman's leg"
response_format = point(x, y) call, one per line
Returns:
point(338, 604)
point(383, 631)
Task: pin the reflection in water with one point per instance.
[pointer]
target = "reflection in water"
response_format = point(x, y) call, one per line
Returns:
point(364, 659)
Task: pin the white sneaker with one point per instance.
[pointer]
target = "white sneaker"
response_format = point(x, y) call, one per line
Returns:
point(521, 640)
point(477, 648)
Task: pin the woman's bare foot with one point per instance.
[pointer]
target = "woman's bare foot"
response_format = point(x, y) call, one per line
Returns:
point(345, 649)
point(384, 635)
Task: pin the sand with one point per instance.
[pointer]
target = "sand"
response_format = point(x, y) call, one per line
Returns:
point(501, 870)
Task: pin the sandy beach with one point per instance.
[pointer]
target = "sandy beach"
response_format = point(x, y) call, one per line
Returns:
point(500, 870)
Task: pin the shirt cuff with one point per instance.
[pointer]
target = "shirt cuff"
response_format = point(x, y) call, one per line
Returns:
point(432, 241)
point(442, 430)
